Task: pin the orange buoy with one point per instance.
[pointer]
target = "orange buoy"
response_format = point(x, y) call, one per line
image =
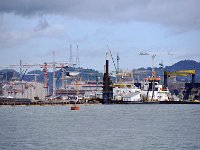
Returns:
point(75, 108)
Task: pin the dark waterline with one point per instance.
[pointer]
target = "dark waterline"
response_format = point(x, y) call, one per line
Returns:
point(97, 127)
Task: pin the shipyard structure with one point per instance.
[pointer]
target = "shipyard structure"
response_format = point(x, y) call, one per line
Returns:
point(118, 88)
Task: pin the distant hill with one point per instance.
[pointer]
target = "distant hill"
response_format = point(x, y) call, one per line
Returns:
point(184, 65)
point(8, 74)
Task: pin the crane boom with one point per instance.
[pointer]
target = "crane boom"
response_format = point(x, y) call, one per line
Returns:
point(181, 73)
point(112, 58)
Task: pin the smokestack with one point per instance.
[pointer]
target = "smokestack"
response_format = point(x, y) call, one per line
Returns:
point(107, 64)
point(107, 84)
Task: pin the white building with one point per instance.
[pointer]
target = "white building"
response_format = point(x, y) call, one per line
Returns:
point(29, 90)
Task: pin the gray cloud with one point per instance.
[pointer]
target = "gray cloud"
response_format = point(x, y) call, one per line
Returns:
point(181, 15)
point(14, 38)
point(42, 24)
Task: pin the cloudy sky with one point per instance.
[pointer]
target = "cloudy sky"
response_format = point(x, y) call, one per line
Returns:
point(32, 29)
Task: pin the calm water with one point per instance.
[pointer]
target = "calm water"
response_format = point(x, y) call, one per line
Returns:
point(97, 127)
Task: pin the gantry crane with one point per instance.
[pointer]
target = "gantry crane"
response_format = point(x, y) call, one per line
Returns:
point(179, 73)
point(188, 86)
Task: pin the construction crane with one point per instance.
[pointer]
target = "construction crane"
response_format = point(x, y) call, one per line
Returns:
point(118, 73)
point(116, 67)
point(153, 55)
point(45, 68)
point(112, 59)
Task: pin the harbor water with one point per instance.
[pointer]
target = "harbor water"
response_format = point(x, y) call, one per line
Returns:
point(97, 127)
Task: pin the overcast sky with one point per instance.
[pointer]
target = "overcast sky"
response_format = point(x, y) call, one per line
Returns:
point(32, 29)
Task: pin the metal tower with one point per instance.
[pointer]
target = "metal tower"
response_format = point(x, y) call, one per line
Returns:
point(70, 56)
point(77, 58)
